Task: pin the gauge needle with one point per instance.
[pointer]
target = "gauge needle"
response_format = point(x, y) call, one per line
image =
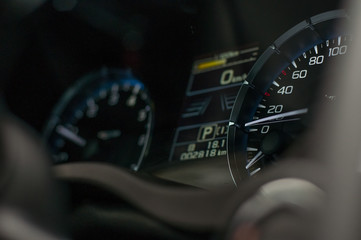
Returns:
point(108, 134)
point(277, 116)
point(70, 135)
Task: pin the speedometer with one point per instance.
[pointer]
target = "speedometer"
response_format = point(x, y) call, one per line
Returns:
point(275, 105)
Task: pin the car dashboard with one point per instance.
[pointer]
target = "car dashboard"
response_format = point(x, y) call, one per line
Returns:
point(171, 91)
point(163, 45)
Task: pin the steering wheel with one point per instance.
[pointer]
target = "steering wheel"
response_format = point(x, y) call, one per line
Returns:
point(286, 202)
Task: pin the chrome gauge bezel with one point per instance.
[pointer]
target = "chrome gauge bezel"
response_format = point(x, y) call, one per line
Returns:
point(276, 57)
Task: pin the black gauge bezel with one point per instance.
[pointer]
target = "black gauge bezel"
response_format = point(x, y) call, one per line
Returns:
point(276, 57)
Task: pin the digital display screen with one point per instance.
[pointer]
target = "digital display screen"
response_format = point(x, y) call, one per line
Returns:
point(211, 93)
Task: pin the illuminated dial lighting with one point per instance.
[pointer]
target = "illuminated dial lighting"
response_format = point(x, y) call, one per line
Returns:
point(106, 117)
point(276, 105)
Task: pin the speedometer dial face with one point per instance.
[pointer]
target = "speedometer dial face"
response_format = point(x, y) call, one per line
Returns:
point(275, 105)
point(282, 113)
point(106, 117)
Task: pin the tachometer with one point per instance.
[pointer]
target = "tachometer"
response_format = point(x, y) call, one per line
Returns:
point(107, 116)
point(275, 104)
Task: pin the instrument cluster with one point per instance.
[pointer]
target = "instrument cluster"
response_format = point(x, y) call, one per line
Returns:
point(192, 92)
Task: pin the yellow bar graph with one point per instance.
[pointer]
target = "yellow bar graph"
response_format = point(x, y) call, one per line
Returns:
point(210, 64)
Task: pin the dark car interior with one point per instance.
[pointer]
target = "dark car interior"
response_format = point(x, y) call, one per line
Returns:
point(159, 119)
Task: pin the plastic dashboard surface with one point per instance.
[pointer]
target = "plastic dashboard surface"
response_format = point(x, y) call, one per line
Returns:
point(190, 55)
